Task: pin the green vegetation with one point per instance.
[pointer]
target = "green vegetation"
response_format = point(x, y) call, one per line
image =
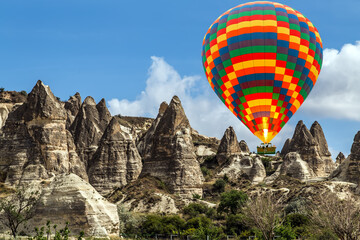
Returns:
point(219, 185)
point(62, 234)
point(231, 202)
point(2, 89)
point(17, 209)
point(260, 217)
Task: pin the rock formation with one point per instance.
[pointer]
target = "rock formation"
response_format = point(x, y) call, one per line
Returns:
point(244, 147)
point(9, 100)
point(293, 166)
point(4, 112)
point(312, 147)
point(172, 157)
point(228, 147)
point(244, 167)
point(88, 127)
point(136, 127)
point(116, 161)
point(204, 146)
point(236, 163)
point(35, 143)
point(70, 198)
point(340, 158)
point(146, 141)
point(72, 107)
point(318, 134)
point(349, 169)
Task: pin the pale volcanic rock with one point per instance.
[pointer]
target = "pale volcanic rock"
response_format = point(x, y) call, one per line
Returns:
point(293, 166)
point(88, 127)
point(172, 157)
point(4, 112)
point(244, 167)
point(349, 169)
point(136, 127)
point(116, 162)
point(318, 134)
point(158, 203)
point(228, 147)
point(236, 163)
point(70, 198)
point(312, 147)
point(204, 146)
point(244, 147)
point(35, 141)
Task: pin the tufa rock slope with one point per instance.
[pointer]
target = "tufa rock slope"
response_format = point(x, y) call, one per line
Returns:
point(116, 162)
point(171, 157)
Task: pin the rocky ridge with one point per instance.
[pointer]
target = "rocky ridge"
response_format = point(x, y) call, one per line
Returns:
point(172, 158)
point(312, 147)
point(35, 142)
point(51, 141)
point(236, 164)
point(116, 162)
point(68, 198)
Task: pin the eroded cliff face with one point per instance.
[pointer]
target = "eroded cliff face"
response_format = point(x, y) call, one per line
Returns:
point(235, 161)
point(88, 127)
point(293, 166)
point(35, 142)
point(312, 147)
point(72, 107)
point(9, 101)
point(116, 162)
point(68, 198)
point(229, 146)
point(349, 169)
point(172, 157)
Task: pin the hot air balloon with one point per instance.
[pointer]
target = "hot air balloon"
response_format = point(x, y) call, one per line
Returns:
point(262, 59)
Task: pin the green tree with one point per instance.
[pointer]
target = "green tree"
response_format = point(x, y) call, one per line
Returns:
point(235, 224)
point(198, 222)
point(2, 89)
point(219, 185)
point(232, 201)
point(18, 208)
point(285, 232)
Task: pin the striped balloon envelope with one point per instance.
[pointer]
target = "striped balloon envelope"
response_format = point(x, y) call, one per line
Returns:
point(262, 59)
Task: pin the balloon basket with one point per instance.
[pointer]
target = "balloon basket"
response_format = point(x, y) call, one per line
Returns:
point(266, 148)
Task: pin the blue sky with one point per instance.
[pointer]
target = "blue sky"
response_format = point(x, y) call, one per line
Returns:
point(136, 54)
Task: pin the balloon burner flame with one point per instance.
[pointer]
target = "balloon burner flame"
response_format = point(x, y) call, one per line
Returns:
point(265, 134)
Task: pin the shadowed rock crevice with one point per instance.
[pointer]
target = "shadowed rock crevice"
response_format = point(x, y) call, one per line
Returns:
point(88, 127)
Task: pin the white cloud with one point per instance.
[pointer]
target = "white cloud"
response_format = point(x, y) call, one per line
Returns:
point(206, 113)
point(336, 93)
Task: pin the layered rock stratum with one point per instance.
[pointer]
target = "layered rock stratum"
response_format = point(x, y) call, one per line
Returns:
point(35, 143)
point(172, 158)
point(88, 127)
point(116, 162)
point(68, 198)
